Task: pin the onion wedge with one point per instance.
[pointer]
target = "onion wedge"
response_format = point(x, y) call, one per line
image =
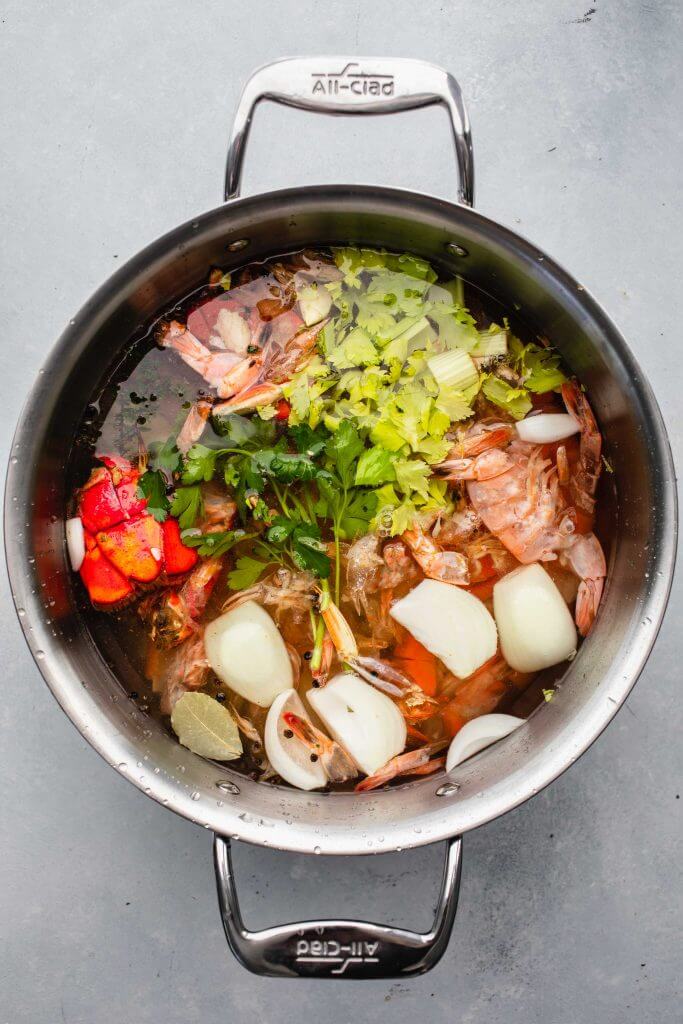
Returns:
point(535, 626)
point(547, 427)
point(245, 650)
point(75, 542)
point(449, 622)
point(291, 758)
point(366, 723)
point(478, 734)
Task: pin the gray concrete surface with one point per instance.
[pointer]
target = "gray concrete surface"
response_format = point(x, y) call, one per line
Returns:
point(113, 121)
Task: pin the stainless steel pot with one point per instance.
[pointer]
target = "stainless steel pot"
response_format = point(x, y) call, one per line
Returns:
point(458, 240)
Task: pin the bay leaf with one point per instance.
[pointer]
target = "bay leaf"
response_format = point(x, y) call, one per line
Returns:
point(206, 727)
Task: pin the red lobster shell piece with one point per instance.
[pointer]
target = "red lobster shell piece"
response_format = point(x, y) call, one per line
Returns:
point(178, 558)
point(125, 545)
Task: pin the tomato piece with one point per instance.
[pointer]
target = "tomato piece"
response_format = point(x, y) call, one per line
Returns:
point(98, 503)
point(106, 586)
point(283, 409)
point(133, 547)
point(178, 558)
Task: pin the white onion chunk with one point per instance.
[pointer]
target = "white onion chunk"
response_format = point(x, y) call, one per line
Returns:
point(291, 758)
point(365, 722)
point(535, 626)
point(547, 427)
point(478, 734)
point(75, 542)
point(452, 624)
point(245, 650)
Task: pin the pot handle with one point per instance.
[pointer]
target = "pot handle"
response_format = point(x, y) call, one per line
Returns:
point(336, 948)
point(352, 85)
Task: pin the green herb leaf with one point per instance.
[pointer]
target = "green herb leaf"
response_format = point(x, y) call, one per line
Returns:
point(309, 442)
point(187, 506)
point(165, 456)
point(453, 404)
point(356, 349)
point(375, 466)
point(200, 464)
point(213, 544)
point(309, 551)
point(246, 572)
point(343, 448)
point(280, 530)
point(516, 401)
point(357, 514)
point(289, 467)
point(539, 367)
point(152, 486)
point(413, 475)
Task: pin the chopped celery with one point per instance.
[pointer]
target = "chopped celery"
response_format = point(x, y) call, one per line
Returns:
point(454, 369)
point(490, 345)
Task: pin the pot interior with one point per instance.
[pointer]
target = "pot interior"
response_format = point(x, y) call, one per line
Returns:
point(641, 527)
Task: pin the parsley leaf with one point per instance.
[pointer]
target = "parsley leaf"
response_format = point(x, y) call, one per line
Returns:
point(213, 544)
point(187, 506)
point(200, 464)
point(152, 486)
point(246, 572)
point(309, 551)
point(375, 466)
point(286, 467)
point(343, 448)
point(357, 514)
point(165, 456)
point(280, 530)
point(308, 442)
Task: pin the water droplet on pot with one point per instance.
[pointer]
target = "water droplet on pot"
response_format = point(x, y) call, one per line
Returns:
point(122, 767)
point(195, 795)
point(40, 655)
point(316, 849)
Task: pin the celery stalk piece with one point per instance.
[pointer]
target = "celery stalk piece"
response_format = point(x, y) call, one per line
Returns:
point(490, 345)
point(454, 369)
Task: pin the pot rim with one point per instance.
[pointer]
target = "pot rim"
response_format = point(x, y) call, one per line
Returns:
point(574, 740)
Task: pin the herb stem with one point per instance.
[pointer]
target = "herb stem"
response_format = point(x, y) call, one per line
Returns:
point(280, 497)
point(299, 506)
point(318, 627)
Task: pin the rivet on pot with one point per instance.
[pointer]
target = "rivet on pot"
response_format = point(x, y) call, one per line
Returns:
point(239, 243)
point(457, 250)
point(227, 787)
